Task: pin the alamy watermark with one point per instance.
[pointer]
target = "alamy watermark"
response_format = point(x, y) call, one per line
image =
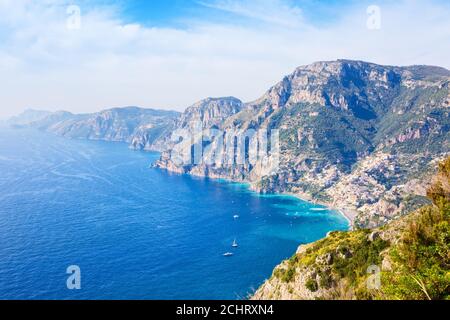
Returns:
point(73, 21)
point(374, 17)
point(74, 280)
point(213, 147)
point(374, 280)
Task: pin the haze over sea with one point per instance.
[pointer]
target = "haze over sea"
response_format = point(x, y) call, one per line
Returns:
point(135, 232)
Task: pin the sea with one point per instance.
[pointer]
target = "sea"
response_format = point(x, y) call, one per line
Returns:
point(132, 231)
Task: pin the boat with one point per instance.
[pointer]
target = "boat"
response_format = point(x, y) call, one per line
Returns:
point(228, 254)
point(234, 245)
point(236, 216)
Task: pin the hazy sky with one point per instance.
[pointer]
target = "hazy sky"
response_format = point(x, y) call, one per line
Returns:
point(169, 54)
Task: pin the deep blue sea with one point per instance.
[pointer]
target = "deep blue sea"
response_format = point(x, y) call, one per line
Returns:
point(135, 232)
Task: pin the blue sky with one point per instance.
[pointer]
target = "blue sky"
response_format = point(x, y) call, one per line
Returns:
point(161, 12)
point(175, 12)
point(170, 54)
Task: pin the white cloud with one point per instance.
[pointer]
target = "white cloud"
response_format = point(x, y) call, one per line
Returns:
point(110, 63)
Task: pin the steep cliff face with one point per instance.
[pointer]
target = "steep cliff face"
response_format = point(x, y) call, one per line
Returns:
point(138, 126)
point(151, 137)
point(406, 259)
point(211, 112)
point(352, 134)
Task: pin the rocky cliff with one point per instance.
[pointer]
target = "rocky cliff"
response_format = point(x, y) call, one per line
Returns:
point(211, 112)
point(406, 259)
point(354, 135)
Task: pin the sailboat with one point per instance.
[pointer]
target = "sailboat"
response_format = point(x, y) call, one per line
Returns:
point(234, 245)
point(228, 254)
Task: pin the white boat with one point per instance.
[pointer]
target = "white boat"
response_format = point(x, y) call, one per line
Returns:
point(235, 245)
point(228, 254)
point(236, 216)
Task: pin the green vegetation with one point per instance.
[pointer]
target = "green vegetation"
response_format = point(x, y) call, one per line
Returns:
point(312, 285)
point(365, 254)
point(444, 168)
point(285, 275)
point(326, 279)
point(421, 260)
point(413, 254)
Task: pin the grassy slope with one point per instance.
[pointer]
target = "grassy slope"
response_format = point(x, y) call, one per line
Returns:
point(412, 252)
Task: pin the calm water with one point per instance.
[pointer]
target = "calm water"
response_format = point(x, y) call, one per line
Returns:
point(135, 232)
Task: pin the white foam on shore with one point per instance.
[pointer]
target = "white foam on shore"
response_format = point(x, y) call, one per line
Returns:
point(318, 209)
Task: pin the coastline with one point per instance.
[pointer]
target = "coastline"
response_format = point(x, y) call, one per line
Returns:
point(349, 216)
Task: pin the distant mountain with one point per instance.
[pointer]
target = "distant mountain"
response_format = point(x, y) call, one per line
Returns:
point(354, 135)
point(119, 124)
point(27, 117)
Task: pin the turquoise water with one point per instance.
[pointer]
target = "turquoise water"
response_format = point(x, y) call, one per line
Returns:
point(135, 232)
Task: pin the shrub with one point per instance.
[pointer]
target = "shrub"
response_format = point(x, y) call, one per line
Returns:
point(288, 275)
point(326, 280)
point(311, 285)
point(285, 275)
point(422, 258)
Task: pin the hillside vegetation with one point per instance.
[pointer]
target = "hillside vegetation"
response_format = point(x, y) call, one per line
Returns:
point(412, 256)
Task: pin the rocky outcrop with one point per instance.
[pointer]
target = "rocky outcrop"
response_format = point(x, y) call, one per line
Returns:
point(353, 135)
point(211, 112)
point(406, 259)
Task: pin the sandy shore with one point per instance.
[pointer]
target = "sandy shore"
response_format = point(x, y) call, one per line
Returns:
point(348, 214)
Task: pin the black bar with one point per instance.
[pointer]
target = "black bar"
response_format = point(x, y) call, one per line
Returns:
point(234, 309)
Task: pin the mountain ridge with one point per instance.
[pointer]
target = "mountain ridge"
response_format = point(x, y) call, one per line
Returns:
point(407, 259)
point(114, 124)
point(343, 120)
point(354, 135)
